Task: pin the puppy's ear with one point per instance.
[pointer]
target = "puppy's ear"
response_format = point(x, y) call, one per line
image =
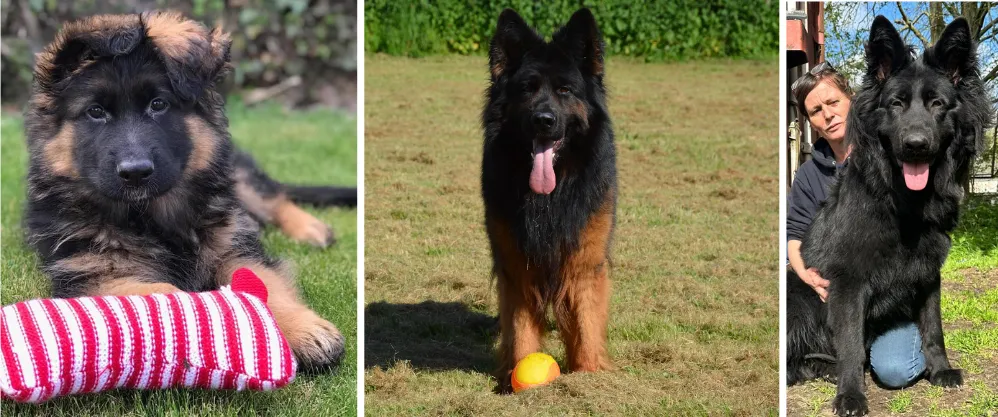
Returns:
point(886, 52)
point(83, 41)
point(512, 40)
point(954, 53)
point(581, 38)
point(195, 57)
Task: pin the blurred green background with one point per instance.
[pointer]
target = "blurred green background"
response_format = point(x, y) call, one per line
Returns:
point(300, 52)
point(648, 29)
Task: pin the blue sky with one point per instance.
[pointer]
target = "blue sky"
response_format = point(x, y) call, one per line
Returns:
point(844, 53)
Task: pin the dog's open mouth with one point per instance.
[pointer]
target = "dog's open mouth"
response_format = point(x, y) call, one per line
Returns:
point(542, 178)
point(916, 175)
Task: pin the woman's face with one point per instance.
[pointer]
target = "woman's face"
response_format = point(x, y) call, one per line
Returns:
point(827, 107)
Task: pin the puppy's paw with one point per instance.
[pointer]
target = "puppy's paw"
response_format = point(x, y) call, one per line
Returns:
point(315, 342)
point(303, 227)
point(947, 378)
point(850, 404)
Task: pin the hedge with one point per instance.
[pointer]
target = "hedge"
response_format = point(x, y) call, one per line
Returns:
point(653, 30)
point(272, 41)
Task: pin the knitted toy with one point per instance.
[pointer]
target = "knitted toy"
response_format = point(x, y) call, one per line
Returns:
point(225, 339)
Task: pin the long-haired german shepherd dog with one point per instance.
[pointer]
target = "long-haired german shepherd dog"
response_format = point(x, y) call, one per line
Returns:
point(882, 236)
point(134, 186)
point(549, 182)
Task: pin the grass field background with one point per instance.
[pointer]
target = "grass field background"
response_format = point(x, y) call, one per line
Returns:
point(970, 325)
point(303, 147)
point(694, 313)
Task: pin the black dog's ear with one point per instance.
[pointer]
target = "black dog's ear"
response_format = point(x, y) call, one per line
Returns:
point(954, 52)
point(83, 41)
point(885, 51)
point(194, 57)
point(581, 37)
point(512, 39)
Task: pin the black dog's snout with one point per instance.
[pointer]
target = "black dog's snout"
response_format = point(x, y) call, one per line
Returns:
point(544, 120)
point(135, 172)
point(916, 144)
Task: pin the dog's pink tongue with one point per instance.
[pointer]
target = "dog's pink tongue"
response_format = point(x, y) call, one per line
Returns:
point(915, 175)
point(542, 175)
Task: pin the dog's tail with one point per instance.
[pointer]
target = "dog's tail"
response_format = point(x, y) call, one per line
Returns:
point(322, 195)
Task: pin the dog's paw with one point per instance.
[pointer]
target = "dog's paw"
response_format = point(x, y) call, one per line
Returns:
point(850, 404)
point(504, 383)
point(303, 227)
point(315, 342)
point(947, 378)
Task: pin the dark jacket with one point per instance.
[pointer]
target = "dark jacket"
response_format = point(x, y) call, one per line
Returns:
point(810, 189)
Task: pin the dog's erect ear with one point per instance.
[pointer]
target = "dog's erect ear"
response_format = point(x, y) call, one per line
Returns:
point(581, 38)
point(512, 39)
point(194, 57)
point(954, 52)
point(83, 41)
point(885, 51)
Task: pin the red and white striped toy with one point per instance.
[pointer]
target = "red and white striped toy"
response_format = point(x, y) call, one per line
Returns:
point(225, 339)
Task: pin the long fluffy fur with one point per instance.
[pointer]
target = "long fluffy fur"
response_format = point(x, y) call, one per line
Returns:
point(880, 244)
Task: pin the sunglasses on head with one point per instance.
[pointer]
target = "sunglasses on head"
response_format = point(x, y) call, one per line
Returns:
point(813, 72)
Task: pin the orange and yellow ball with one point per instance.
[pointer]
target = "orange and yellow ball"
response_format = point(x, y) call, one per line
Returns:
point(534, 370)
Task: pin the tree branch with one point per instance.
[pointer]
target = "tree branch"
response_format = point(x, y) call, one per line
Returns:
point(911, 26)
point(951, 9)
point(990, 75)
point(987, 27)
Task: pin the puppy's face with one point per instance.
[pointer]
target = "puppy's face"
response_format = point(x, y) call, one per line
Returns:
point(126, 93)
point(129, 138)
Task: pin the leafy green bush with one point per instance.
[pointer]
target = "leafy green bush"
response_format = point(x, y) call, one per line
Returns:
point(653, 30)
point(272, 41)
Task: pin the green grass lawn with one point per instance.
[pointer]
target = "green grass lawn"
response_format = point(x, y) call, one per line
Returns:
point(694, 313)
point(970, 324)
point(303, 147)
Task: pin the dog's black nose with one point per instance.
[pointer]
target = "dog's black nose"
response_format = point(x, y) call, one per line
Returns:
point(135, 172)
point(916, 144)
point(543, 120)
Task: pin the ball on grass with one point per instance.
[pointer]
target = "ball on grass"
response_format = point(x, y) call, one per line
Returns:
point(533, 370)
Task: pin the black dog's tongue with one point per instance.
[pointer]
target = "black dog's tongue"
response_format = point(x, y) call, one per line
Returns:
point(916, 176)
point(542, 179)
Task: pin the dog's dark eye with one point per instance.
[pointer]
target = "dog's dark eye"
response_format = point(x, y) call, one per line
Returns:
point(936, 103)
point(897, 103)
point(563, 90)
point(158, 105)
point(96, 112)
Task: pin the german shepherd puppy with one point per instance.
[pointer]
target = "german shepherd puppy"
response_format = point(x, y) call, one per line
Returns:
point(134, 186)
point(549, 181)
point(883, 234)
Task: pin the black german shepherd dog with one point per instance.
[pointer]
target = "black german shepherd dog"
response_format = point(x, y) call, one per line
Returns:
point(882, 235)
point(549, 181)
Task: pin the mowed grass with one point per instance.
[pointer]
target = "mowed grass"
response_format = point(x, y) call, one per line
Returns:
point(302, 147)
point(694, 312)
point(970, 325)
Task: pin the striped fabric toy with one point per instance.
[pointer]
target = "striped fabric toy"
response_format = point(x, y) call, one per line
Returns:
point(225, 339)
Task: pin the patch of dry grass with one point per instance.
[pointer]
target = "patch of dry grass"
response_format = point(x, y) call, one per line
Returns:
point(694, 314)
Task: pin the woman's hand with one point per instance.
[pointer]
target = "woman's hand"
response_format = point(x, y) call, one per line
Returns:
point(812, 278)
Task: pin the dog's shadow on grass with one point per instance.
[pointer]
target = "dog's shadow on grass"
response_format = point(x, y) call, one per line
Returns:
point(430, 335)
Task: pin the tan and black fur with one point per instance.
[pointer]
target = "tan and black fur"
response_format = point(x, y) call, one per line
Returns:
point(549, 249)
point(112, 93)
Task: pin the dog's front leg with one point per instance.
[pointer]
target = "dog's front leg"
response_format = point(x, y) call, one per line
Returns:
point(930, 325)
point(847, 317)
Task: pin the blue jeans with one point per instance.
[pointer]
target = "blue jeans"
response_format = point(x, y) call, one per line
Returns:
point(896, 356)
